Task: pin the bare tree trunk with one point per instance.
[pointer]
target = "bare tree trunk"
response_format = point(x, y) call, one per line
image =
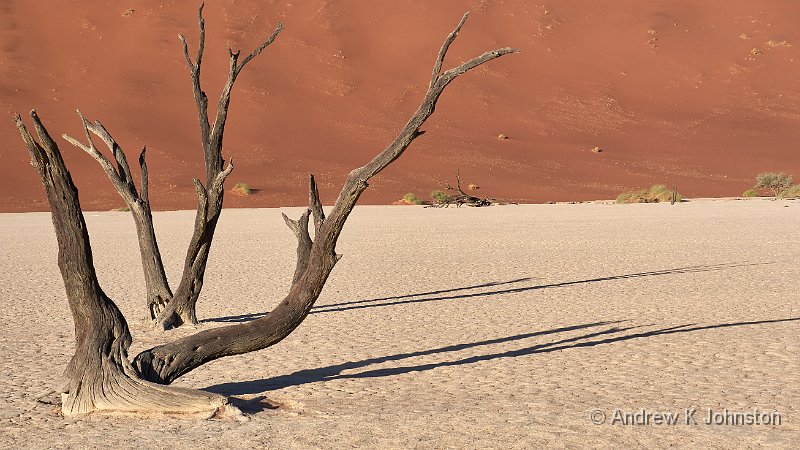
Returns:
point(182, 308)
point(164, 308)
point(315, 259)
point(99, 376)
point(158, 290)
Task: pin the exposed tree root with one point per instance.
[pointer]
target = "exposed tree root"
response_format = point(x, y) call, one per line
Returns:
point(121, 393)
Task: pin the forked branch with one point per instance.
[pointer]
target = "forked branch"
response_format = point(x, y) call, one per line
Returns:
point(120, 177)
point(211, 134)
point(210, 197)
point(165, 363)
point(158, 290)
point(99, 376)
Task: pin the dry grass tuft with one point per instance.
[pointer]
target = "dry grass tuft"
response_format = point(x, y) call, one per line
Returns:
point(656, 194)
point(242, 189)
point(411, 199)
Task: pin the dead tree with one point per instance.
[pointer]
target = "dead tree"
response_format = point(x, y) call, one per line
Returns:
point(100, 377)
point(164, 308)
point(459, 197)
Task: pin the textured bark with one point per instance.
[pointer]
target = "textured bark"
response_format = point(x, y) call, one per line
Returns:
point(158, 292)
point(316, 258)
point(166, 309)
point(182, 308)
point(99, 376)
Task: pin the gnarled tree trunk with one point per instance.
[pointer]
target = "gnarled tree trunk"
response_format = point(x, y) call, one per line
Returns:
point(100, 377)
point(158, 292)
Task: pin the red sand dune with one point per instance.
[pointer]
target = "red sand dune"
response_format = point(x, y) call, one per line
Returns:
point(693, 94)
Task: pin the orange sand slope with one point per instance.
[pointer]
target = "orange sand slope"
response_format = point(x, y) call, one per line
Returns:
point(680, 92)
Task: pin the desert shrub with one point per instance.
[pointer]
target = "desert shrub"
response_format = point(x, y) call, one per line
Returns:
point(241, 189)
point(775, 182)
point(630, 197)
point(791, 192)
point(750, 193)
point(412, 199)
point(656, 194)
point(121, 209)
point(440, 197)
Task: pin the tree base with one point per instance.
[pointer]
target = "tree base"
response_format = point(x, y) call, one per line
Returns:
point(121, 394)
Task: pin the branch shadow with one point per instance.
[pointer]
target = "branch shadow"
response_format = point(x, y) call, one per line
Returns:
point(602, 337)
point(410, 298)
point(248, 317)
point(359, 304)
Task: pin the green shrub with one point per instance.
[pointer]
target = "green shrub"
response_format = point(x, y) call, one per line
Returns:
point(412, 199)
point(791, 192)
point(242, 189)
point(775, 182)
point(656, 194)
point(750, 193)
point(440, 197)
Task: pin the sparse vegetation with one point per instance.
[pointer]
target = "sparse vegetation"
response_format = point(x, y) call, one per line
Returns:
point(242, 189)
point(121, 209)
point(440, 197)
point(412, 199)
point(457, 196)
point(774, 182)
point(751, 193)
point(656, 194)
point(791, 192)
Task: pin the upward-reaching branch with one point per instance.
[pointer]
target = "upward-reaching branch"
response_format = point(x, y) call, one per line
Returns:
point(120, 176)
point(181, 309)
point(194, 70)
point(145, 177)
point(437, 66)
point(357, 180)
point(158, 290)
point(315, 204)
point(211, 134)
point(166, 309)
point(316, 259)
point(99, 376)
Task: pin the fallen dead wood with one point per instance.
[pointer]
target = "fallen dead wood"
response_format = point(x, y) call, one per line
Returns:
point(457, 196)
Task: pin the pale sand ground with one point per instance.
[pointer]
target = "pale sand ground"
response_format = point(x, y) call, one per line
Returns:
point(498, 327)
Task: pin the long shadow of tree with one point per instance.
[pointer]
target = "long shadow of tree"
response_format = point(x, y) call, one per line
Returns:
point(458, 293)
point(602, 337)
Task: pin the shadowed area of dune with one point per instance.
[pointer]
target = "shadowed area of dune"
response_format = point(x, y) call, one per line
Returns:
point(680, 92)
